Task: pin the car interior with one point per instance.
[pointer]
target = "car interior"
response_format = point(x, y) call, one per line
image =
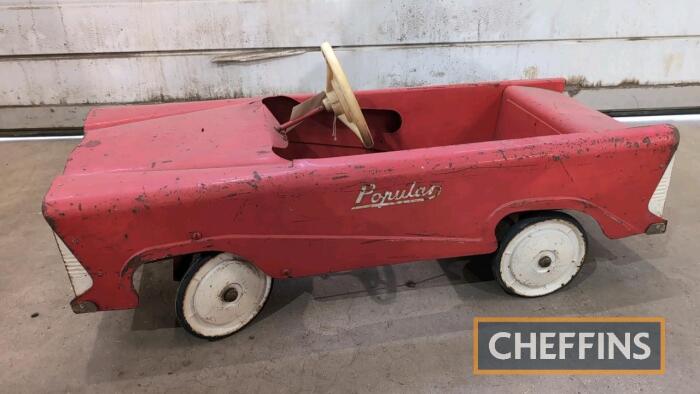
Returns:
point(340, 122)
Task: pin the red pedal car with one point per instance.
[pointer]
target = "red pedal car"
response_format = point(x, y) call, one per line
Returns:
point(240, 192)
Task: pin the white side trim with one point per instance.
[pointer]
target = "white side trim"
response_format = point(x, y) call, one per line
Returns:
point(658, 199)
point(656, 119)
point(42, 138)
point(79, 277)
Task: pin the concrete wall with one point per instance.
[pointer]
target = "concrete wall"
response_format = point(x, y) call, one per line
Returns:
point(57, 58)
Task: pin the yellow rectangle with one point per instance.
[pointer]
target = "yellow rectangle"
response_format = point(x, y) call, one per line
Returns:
point(573, 319)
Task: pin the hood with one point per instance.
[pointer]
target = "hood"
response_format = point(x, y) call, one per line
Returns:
point(208, 134)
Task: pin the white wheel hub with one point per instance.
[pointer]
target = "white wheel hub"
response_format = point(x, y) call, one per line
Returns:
point(542, 257)
point(224, 295)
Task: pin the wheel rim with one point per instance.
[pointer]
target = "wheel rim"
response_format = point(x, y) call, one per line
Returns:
point(224, 295)
point(543, 257)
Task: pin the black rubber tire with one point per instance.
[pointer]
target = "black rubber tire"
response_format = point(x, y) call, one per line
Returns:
point(197, 262)
point(519, 226)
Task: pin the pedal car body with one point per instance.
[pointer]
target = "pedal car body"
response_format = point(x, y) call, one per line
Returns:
point(449, 166)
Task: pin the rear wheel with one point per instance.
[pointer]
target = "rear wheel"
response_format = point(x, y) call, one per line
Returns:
point(219, 295)
point(539, 255)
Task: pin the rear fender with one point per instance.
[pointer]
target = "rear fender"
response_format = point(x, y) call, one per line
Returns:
point(611, 225)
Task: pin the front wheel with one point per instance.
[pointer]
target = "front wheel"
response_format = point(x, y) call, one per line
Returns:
point(219, 295)
point(539, 255)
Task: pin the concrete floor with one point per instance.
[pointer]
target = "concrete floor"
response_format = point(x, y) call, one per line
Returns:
point(354, 332)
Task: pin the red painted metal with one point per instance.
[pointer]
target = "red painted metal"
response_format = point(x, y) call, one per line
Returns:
point(150, 182)
point(296, 121)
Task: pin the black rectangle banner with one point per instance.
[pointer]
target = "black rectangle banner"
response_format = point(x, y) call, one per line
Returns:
point(605, 345)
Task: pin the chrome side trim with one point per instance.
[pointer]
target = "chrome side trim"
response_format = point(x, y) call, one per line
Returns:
point(658, 199)
point(79, 277)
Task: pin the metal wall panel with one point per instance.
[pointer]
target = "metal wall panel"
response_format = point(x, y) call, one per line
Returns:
point(194, 76)
point(84, 26)
point(88, 52)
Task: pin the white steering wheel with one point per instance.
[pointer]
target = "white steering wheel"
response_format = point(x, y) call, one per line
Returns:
point(341, 100)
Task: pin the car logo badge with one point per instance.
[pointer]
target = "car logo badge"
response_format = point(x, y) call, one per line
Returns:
point(368, 197)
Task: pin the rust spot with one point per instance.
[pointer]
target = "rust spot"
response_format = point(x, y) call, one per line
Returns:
point(44, 210)
point(256, 176)
point(575, 83)
point(339, 177)
point(628, 82)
